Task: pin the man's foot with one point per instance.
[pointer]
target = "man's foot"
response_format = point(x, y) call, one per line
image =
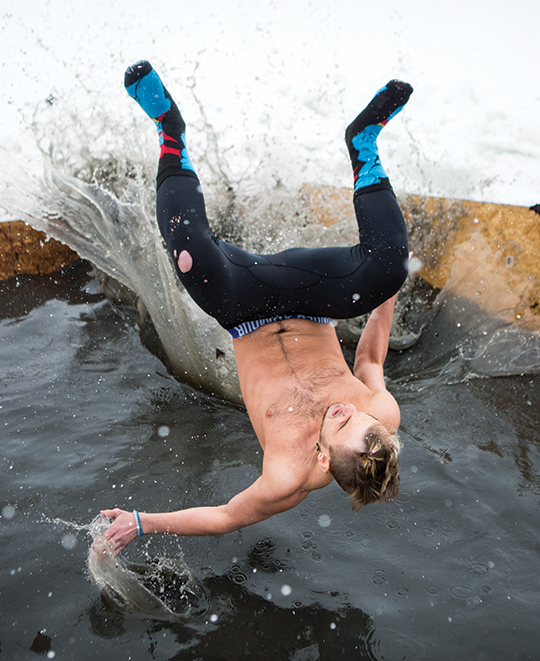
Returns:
point(361, 135)
point(388, 101)
point(144, 85)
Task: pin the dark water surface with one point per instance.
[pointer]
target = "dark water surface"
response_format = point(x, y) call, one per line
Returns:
point(449, 571)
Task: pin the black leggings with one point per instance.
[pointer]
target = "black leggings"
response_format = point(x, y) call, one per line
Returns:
point(235, 286)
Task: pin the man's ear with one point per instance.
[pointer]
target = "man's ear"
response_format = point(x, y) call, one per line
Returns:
point(324, 462)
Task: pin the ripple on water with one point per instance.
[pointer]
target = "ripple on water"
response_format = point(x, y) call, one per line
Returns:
point(478, 568)
point(448, 527)
point(322, 583)
point(459, 618)
point(461, 592)
point(403, 498)
point(368, 543)
point(379, 577)
point(237, 575)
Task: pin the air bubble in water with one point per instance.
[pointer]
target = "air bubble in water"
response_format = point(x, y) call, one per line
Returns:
point(356, 297)
point(163, 431)
point(286, 590)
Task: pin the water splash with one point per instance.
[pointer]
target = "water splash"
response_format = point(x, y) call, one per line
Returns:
point(161, 589)
point(102, 206)
point(122, 240)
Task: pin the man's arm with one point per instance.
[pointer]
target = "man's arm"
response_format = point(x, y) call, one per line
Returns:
point(371, 353)
point(263, 499)
point(373, 345)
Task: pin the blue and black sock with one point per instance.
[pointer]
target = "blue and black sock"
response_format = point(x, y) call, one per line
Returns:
point(144, 85)
point(361, 136)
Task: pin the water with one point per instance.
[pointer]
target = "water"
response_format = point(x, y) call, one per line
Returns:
point(448, 571)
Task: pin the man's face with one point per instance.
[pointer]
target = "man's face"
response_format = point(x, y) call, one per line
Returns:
point(345, 425)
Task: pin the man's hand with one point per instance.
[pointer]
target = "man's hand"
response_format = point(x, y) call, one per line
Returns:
point(123, 530)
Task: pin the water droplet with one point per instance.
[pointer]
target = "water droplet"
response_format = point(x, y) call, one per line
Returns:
point(333, 625)
point(414, 265)
point(324, 520)
point(69, 542)
point(8, 512)
point(286, 590)
point(213, 618)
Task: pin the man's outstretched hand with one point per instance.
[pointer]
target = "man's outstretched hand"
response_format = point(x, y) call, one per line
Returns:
point(123, 530)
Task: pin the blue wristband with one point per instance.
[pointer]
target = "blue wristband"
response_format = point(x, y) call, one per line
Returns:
point(138, 522)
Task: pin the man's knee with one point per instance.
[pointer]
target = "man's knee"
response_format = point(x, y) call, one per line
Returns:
point(184, 261)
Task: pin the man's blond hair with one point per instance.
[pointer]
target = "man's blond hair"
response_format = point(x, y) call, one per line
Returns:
point(371, 475)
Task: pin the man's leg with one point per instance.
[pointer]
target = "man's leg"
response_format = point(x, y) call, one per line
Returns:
point(213, 272)
point(348, 282)
point(381, 224)
point(234, 286)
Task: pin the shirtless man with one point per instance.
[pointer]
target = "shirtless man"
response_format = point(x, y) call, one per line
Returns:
point(315, 420)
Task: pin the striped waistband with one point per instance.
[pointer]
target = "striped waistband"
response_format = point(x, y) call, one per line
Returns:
point(250, 326)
